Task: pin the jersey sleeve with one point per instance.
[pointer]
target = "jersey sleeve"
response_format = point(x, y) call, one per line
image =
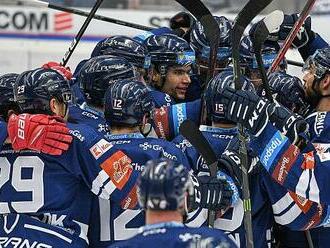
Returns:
point(105, 169)
point(317, 43)
point(291, 210)
point(302, 172)
point(3, 132)
point(168, 119)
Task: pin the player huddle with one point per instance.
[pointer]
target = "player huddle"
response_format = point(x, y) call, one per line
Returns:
point(95, 158)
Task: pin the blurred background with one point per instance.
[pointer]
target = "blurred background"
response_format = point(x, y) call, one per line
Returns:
point(32, 35)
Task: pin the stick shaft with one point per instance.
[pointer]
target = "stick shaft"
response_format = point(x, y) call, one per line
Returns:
point(80, 33)
point(287, 43)
point(84, 13)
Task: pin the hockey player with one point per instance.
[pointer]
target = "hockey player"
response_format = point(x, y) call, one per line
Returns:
point(46, 200)
point(171, 59)
point(128, 48)
point(128, 107)
point(289, 92)
point(266, 196)
point(51, 137)
point(304, 158)
point(94, 78)
point(202, 47)
point(162, 189)
point(249, 63)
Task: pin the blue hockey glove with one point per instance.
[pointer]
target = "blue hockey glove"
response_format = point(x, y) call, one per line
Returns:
point(211, 193)
point(254, 113)
point(304, 35)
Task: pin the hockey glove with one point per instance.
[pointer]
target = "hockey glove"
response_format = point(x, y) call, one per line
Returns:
point(304, 35)
point(211, 193)
point(64, 71)
point(42, 133)
point(246, 108)
point(290, 124)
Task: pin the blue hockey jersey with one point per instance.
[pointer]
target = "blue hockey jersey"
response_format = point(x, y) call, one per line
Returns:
point(112, 221)
point(270, 201)
point(86, 115)
point(176, 235)
point(57, 190)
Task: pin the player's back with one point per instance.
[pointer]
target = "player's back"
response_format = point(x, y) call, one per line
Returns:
point(112, 221)
point(173, 235)
point(50, 189)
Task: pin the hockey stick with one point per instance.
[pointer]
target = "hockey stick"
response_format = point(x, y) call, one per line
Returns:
point(211, 29)
point(264, 27)
point(212, 33)
point(80, 33)
point(295, 63)
point(190, 131)
point(244, 17)
point(288, 41)
point(38, 3)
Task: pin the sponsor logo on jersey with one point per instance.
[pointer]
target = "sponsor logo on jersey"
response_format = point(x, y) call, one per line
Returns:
point(89, 115)
point(323, 151)
point(319, 122)
point(179, 115)
point(119, 168)
point(162, 124)
point(316, 219)
point(272, 149)
point(19, 242)
point(284, 165)
point(131, 200)
point(302, 202)
point(101, 147)
point(77, 134)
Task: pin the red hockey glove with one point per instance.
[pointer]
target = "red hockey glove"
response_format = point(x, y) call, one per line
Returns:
point(65, 71)
point(42, 133)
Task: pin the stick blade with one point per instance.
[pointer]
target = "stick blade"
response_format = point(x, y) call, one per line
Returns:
point(190, 131)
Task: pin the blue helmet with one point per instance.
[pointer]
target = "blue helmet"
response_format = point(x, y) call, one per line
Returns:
point(224, 79)
point(7, 101)
point(169, 50)
point(33, 89)
point(289, 91)
point(163, 185)
point(98, 73)
point(125, 47)
point(269, 53)
point(201, 45)
point(319, 62)
point(126, 102)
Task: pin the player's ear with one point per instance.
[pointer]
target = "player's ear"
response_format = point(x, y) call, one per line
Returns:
point(326, 83)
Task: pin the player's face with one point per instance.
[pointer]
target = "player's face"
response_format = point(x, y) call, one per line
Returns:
point(177, 81)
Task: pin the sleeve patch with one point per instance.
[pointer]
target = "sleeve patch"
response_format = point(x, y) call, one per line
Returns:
point(101, 147)
point(309, 161)
point(284, 165)
point(119, 168)
point(131, 200)
point(161, 122)
point(302, 202)
point(272, 150)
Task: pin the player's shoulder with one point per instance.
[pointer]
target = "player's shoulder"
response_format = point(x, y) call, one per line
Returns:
point(83, 133)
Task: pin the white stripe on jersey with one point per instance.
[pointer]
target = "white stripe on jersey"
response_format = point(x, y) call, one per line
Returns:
point(289, 216)
point(98, 185)
point(282, 204)
point(51, 232)
point(314, 191)
point(83, 231)
point(303, 183)
point(5, 224)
